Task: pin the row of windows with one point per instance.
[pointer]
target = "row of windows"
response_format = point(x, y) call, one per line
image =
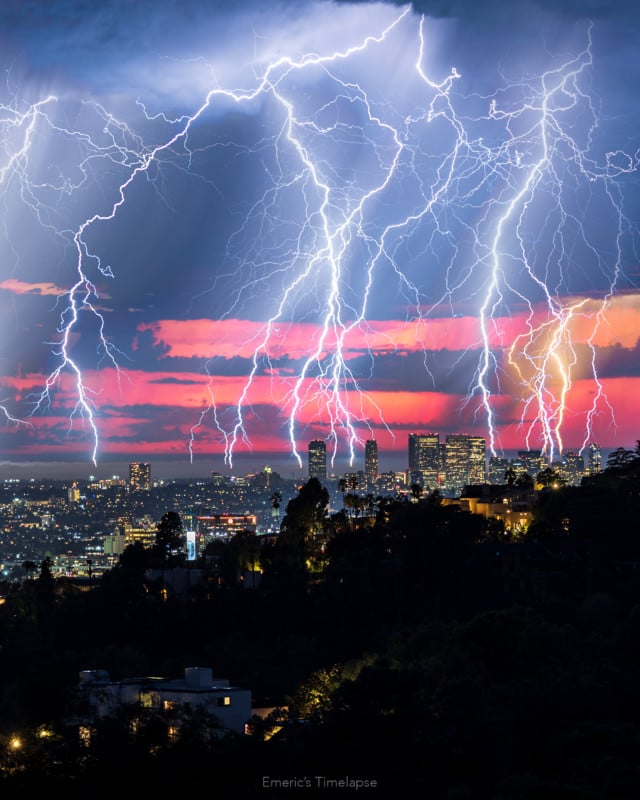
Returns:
point(146, 701)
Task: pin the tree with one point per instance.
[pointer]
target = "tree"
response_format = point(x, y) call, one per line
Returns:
point(550, 477)
point(510, 476)
point(29, 567)
point(276, 500)
point(308, 511)
point(524, 481)
point(245, 550)
point(621, 458)
point(342, 488)
point(45, 589)
point(287, 561)
point(169, 535)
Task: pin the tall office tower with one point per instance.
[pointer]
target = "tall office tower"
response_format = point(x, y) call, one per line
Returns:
point(572, 468)
point(465, 462)
point(497, 468)
point(424, 459)
point(139, 476)
point(595, 459)
point(318, 460)
point(477, 460)
point(530, 461)
point(371, 462)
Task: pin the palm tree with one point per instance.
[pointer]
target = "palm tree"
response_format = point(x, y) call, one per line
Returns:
point(276, 500)
point(342, 487)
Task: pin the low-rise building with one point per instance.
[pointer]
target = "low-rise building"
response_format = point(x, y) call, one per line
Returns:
point(200, 692)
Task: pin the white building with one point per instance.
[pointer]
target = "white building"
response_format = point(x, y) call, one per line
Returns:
point(198, 691)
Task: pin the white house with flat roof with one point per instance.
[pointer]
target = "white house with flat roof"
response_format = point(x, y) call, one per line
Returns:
point(198, 691)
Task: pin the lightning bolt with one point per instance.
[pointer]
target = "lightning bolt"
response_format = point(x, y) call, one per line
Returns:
point(458, 199)
point(558, 154)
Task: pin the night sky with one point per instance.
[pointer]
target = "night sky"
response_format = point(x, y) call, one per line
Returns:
point(227, 229)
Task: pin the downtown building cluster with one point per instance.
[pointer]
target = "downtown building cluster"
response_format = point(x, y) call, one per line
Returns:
point(451, 464)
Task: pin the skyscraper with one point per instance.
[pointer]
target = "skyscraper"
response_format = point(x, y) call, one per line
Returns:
point(498, 466)
point(318, 460)
point(371, 462)
point(424, 458)
point(572, 467)
point(531, 461)
point(477, 460)
point(465, 461)
point(595, 459)
point(139, 476)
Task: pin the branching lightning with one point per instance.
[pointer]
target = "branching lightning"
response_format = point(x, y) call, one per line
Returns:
point(454, 201)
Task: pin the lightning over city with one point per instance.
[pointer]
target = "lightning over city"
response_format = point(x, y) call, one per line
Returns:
point(336, 223)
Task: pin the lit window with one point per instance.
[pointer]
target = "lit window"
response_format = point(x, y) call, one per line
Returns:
point(169, 705)
point(224, 701)
point(146, 699)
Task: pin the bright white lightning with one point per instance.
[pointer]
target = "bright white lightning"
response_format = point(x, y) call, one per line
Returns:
point(490, 175)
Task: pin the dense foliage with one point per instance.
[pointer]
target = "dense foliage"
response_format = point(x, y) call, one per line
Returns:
point(403, 641)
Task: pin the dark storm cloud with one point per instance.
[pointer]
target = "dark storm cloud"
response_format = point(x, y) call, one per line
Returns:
point(438, 371)
point(618, 361)
point(86, 42)
point(492, 11)
point(168, 245)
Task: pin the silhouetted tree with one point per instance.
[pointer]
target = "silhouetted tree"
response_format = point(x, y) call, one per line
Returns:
point(621, 458)
point(30, 568)
point(276, 501)
point(523, 481)
point(550, 477)
point(169, 536)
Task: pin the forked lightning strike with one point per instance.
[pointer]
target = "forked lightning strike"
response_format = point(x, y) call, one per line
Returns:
point(460, 201)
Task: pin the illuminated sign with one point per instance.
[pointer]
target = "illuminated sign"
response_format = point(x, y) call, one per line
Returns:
point(191, 546)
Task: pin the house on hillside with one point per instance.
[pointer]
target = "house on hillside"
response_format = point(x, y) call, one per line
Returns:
point(174, 700)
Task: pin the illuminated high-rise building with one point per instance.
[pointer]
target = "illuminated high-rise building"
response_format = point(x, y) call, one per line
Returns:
point(465, 462)
point(477, 460)
point(139, 476)
point(318, 460)
point(571, 468)
point(371, 462)
point(530, 461)
point(497, 469)
point(595, 459)
point(424, 459)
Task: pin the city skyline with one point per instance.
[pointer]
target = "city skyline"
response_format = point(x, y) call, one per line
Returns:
point(164, 301)
point(387, 461)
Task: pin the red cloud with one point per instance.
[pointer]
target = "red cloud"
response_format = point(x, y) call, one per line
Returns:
point(591, 321)
point(21, 287)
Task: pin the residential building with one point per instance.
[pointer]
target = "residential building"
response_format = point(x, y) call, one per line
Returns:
point(228, 707)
